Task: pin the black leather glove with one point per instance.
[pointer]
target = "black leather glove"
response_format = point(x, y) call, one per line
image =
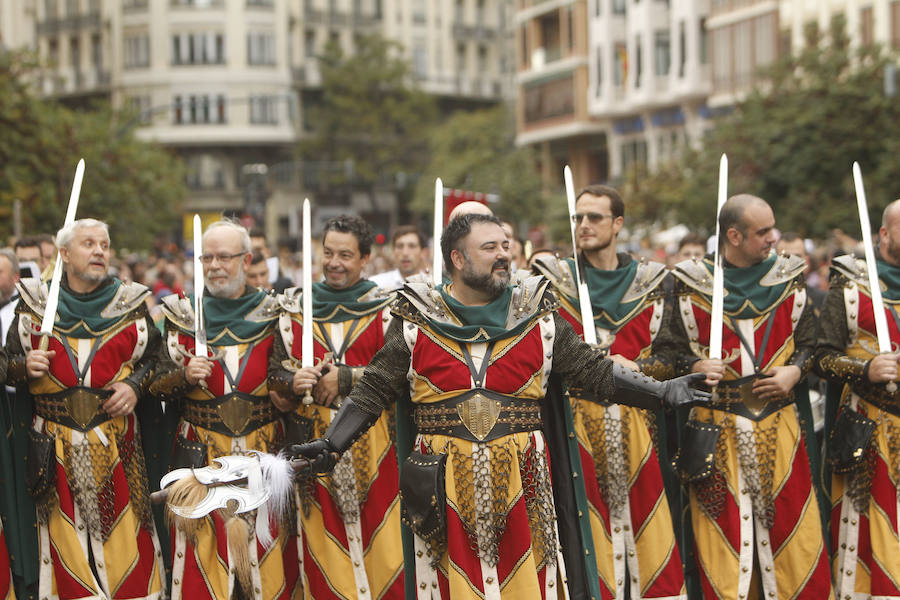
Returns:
point(348, 425)
point(322, 456)
point(636, 389)
point(678, 392)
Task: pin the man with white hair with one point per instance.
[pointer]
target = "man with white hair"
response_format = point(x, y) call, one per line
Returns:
point(85, 467)
point(225, 409)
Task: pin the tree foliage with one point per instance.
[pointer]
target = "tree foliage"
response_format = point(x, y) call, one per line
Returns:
point(135, 186)
point(370, 115)
point(476, 151)
point(792, 141)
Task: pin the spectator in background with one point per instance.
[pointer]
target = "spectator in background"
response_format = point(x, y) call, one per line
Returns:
point(792, 243)
point(258, 244)
point(691, 246)
point(516, 247)
point(258, 271)
point(48, 249)
point(408, 249)
point(28, 250)
point(9, 295)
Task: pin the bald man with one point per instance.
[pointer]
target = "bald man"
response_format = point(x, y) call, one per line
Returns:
point(754, 510)
point(469, 207)
point(864, 483)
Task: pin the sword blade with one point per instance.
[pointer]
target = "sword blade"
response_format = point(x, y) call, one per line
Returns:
point(881, 326)
point(437, 266)
point(199, 284)
point(716, 318)
point(584, 300)
point(53, 295)
point(306, 341)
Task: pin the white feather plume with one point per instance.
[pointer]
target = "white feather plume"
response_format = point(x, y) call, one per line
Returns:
point(279, 478)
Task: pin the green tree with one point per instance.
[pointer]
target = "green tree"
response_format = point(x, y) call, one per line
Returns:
point(133, 185)
point(371, 119)
point(476, 151)
point(793, 139)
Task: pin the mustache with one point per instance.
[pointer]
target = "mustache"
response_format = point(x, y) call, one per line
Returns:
point(500, 263)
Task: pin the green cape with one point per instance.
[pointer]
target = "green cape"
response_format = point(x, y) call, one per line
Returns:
point(335, 306)
point(606, 289)
point(78, 315)
point(226, 318)
point(890, 277)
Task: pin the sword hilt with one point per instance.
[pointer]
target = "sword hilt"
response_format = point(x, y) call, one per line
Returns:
point(44, 343)
point(891, 387)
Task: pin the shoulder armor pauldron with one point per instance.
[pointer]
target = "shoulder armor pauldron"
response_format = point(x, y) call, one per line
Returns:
point(528, 299)
point(130, 296)
point(786, 268)
point(558, 271)
point(179, 311)
point(852, 268)
point(694, 274)
point(647, 278)
point(419, 301)
point(266, 310)
point(33, 293)
point(290, 300)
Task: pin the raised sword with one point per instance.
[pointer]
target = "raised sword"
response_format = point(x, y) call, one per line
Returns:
point(716, 317)
point(200, 348)
point(437, 265)
point(53, 294)
point(584, 300)
point(306, 339)
point(881, 327)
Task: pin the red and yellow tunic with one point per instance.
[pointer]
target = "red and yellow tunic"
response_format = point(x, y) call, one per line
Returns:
point(631, 523)
point(756, 517)
point(350, 521)
point(865, 503)
point(231, 415)
point(96, 533)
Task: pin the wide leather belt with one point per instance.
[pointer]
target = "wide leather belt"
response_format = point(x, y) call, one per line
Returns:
point(736, 396)
point(885, 403)
point(76, 407)
point(479, 415)
point(235, 414)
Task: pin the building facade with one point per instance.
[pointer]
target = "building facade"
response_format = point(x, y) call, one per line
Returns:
point(227, 83)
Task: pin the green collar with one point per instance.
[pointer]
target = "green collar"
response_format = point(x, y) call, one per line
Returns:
point(606, 289)
point(226, 318)
point(79, 315)
point(890, 276)
point(745, 296)
point(335, 306)
point(478, 323)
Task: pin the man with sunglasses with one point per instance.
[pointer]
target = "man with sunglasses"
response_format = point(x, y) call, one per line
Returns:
point(634, 541)
point(225, 409)
point(350, 523)
point(745, 458)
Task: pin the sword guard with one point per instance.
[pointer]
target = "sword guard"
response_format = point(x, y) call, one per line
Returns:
point(45, 342)
point(891, 387)
point(307, 397)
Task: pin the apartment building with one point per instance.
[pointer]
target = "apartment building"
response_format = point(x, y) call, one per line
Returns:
point(227, 83)
point(16, 23)
point(747, 34)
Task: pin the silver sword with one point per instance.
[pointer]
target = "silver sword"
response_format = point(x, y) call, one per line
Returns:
point(881, 327)
point(53, 295)
point(584, 300)
point(200, 348)
point(306, 339)
point(437, 266)
point(715, 315)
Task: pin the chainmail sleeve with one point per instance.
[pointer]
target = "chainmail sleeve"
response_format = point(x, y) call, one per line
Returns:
point(16, 374)
point(671, 346)
point(578, 364)
point(384, 380)
point(805, 340)
point(140, 378)
point(831, 360)
point(169, 382)
point(659, 365)
point(280, 380)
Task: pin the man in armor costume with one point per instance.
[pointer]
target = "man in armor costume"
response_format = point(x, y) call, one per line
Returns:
point(476, 355)
point(631, 523)
point(350, 520)
point(864, 448)
point(85, 467)
point(225, 409)
point(754, 511)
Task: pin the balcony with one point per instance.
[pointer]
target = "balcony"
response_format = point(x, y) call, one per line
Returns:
point(334, 18)
point(196, 3)
point(549, 100)
point(71, 23)
point(134, 5)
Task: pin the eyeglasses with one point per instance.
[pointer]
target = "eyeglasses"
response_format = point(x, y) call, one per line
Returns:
point(592, 217)
point(207, 259)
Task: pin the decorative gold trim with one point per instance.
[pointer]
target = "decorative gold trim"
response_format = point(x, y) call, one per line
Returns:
point(479, 414)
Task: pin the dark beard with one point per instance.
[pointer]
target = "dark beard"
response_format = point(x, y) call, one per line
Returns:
point(485, 282)
point(893, 250)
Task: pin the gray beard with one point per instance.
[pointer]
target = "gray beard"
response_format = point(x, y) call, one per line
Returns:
point(230, 289)
point(484, 282)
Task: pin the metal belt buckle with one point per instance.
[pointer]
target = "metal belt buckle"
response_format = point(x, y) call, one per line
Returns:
point(235, 412)
point(82, 406)
point(754, 403)
point(479, 414)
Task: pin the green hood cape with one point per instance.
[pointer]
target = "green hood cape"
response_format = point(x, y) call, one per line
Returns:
point(606, 289)
point(745, 297)
point(335, 306)
point(226, 318)
point(78, 315)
